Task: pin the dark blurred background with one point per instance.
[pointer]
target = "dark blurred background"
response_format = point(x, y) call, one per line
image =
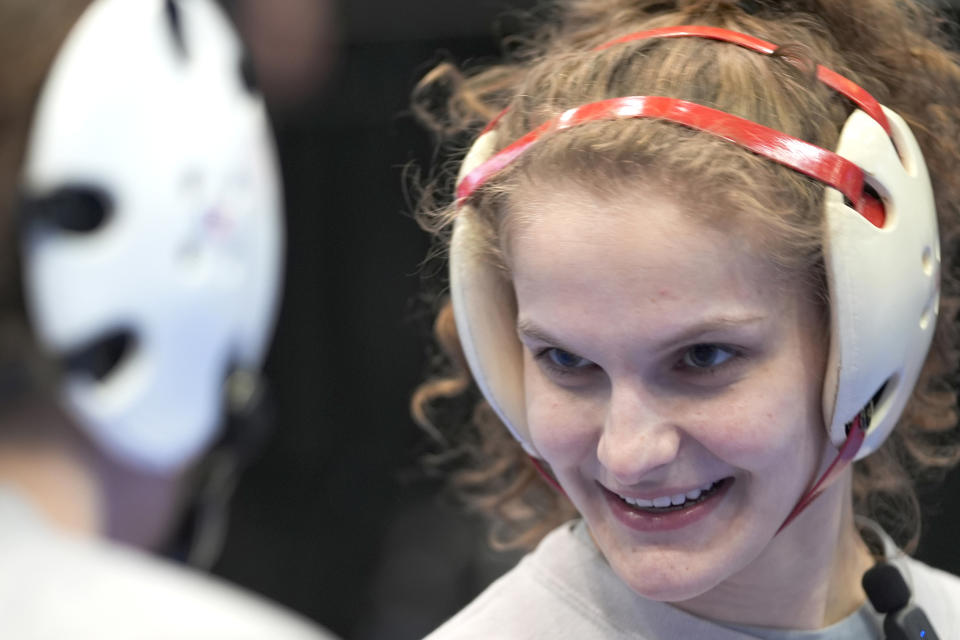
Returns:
point(337, 520)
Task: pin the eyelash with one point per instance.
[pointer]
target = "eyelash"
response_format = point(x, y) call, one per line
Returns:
point(543, 357)
point(731, 352)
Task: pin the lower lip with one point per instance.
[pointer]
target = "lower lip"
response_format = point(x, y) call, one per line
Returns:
point(641, 520)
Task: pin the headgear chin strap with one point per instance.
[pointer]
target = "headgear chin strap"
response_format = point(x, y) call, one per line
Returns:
point(882, 258)
point(152, 224)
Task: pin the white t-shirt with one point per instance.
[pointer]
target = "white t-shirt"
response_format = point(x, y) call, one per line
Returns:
point(56, 587)
point(565, 590)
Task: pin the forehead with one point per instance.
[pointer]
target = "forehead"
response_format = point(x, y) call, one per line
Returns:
point(576, 252)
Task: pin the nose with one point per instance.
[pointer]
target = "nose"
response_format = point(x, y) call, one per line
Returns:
point(636, 439)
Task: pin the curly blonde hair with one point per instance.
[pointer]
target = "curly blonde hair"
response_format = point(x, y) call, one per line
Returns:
point(894, 49)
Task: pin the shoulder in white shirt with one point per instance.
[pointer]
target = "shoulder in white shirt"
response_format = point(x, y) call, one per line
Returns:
point(53, 586)
point(564, 590)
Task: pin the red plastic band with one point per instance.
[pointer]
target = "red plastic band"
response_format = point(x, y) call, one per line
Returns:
point(547, 476)
point(854, 92)
point(846, 455)
point(696, 31)
point(809, 159)
point(493, 123)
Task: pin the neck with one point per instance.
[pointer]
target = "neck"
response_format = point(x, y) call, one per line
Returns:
point(808, 577)
point(78, 488)
point(56, 483)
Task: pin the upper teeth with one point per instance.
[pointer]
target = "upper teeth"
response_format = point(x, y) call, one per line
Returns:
point(666, 501)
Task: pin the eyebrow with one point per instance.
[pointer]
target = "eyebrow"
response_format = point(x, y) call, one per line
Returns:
point(527, 329)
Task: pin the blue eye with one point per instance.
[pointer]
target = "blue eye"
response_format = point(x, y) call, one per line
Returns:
point(707, 356)
point(566, 360)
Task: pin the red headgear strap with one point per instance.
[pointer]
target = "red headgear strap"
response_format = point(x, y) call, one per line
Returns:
point(857, 94)
point(809, 159)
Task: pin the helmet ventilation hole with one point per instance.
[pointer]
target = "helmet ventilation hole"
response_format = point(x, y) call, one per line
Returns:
point(927, 316)
point(866, 414)
point(927, 261)
point(99, 358)
point(175, 22)
point(76, 208)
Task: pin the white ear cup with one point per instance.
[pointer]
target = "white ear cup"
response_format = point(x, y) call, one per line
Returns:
point(485, 310)
point(884, 283)
point(884, 290)
point(188, 260)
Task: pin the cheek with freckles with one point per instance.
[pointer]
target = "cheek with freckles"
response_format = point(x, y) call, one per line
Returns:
point(743, 434)
point(774, 441)
point(771, 416)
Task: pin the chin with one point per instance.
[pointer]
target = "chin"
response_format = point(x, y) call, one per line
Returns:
point(669, 586)
point(670, 575)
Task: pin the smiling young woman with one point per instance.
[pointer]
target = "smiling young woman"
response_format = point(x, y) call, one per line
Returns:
point(695, 274)
point(696, 377)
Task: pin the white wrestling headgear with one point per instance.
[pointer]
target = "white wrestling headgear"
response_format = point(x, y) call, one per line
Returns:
point(882, 257)
point(152, 224)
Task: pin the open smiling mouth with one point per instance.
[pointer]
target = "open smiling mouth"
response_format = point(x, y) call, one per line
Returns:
point(673, 503)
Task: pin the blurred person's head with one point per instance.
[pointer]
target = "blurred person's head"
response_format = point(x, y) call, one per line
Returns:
point(293, 44)
point(139, 270)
